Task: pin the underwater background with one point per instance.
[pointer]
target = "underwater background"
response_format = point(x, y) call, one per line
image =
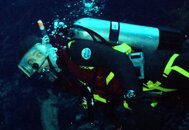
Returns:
point(25, 105)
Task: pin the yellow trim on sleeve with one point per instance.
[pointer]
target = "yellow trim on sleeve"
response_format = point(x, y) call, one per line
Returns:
point(98, 98)
point(124, 48)
point(176, 68)
point(109, 77)
point(70, 43)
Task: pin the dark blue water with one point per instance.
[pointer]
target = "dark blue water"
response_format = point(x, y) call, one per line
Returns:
point(19, 104)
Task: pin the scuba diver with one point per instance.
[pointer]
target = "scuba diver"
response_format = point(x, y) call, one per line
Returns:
point(111, 63)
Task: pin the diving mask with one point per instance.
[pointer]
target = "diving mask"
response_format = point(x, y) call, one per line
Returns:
point(27, 65)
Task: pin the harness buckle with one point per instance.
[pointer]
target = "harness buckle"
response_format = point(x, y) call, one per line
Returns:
point(137, 59)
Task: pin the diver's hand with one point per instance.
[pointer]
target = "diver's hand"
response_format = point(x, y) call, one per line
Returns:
point(45, 39)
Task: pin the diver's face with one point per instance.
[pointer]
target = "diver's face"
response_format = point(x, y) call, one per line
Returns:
point(34, 60)
point(37, 60)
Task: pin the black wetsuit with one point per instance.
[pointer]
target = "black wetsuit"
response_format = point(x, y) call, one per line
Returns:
point(120, 64)
point(105, 56)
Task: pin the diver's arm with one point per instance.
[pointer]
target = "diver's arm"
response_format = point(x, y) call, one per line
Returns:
point(103, 56)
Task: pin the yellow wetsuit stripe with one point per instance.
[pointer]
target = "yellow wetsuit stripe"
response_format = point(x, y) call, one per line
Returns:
point(109, 77)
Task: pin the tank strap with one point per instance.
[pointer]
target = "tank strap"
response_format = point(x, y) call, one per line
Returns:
point(114, 31)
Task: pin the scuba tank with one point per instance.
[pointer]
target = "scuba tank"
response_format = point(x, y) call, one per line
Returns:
point(137, 36)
